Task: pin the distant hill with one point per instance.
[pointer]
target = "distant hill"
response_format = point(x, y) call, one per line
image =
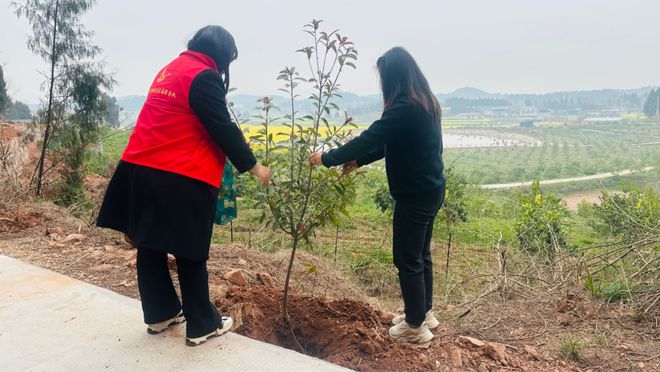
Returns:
point(470, 93)
point(367, 108)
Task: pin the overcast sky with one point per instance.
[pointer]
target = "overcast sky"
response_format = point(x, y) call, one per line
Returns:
point(529, 46)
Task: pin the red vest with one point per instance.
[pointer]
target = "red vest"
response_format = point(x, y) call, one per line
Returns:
point(168, 135)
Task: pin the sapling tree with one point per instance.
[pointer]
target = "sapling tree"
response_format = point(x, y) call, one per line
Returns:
point(453, 208)
point(85, 112)
point(301, 198)
point(62, 41)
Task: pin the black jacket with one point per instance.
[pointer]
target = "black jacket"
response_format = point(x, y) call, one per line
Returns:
point(207, 99)
point(411, 142)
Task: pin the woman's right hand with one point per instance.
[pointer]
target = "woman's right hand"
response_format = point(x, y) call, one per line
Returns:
point(261, 172)
point(349, 167)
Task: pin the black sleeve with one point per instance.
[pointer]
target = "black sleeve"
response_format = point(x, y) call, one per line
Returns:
point(371, 157)
point(207, 99)
point(371, 140)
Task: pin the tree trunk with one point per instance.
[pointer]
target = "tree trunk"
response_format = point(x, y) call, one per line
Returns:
point(336, 242)
point(448, 253)
point(49, 112)
point(285, 299)
point(231, 232)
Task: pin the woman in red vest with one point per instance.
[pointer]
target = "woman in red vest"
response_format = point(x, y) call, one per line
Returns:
point(163, 193)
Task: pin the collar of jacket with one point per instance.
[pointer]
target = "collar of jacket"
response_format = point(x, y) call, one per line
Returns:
point(202, 57)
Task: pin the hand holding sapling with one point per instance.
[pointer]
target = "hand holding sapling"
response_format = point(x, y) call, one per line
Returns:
point(349, 167)
point(316, 158)
point(262, 173)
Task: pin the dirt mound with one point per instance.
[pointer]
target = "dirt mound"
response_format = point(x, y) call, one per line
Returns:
point(19, 153)
point(353, 334)
point(37, 232)
point(311, 274)
point(8, 131)
point(345, 332)
point(13, 222)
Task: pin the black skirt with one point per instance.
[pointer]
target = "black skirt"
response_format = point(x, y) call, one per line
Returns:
point(160, 210)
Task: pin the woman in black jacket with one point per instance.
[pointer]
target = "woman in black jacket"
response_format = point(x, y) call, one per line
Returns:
point(409, 137)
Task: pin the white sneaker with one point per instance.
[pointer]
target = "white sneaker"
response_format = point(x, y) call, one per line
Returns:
point(430, 320)
point(406, 333)
point(156, 328)
point(227, 323)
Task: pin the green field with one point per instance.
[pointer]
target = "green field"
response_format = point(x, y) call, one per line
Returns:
point(567, 151)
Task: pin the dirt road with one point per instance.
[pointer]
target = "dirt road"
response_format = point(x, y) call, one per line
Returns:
point(598, 176)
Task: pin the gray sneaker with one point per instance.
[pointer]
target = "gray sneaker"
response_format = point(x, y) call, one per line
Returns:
point(430, 320)
point(156, 328)
point(406, 333)
point(227, 323)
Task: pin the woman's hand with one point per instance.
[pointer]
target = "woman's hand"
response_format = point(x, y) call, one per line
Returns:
point(262, 173)
point(316, 158)
point(349, 167)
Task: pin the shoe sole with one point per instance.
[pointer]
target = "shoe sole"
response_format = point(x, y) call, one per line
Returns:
point(175, 321)
point(432, 325)
point(414, 339)
point(227, 323)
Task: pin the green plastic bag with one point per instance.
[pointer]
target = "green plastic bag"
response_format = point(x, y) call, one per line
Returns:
point(226, 208)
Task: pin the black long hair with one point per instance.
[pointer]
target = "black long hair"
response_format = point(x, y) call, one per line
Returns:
point(400, 77)
point(217, 43)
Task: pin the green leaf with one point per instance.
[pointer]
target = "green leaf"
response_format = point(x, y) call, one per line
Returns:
point(344, 211)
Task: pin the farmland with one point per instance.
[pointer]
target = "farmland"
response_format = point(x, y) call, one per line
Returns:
point(360, 245)
point(546, 152)
point(566, 151)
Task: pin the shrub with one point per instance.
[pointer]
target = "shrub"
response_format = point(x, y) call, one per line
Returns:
point(540, 224)
point(628, 215)
point(629, 264)
point(383, 199)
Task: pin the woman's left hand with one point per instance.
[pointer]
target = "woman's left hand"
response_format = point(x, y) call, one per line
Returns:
point(316, 158)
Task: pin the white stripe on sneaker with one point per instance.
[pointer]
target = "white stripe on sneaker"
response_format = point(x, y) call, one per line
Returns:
point(227, 324)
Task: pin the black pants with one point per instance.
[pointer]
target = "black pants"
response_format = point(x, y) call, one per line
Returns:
point(160, 301)
point(412, 232)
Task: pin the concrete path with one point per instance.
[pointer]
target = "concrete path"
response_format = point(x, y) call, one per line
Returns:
point(50, 322)
point(598, 176)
